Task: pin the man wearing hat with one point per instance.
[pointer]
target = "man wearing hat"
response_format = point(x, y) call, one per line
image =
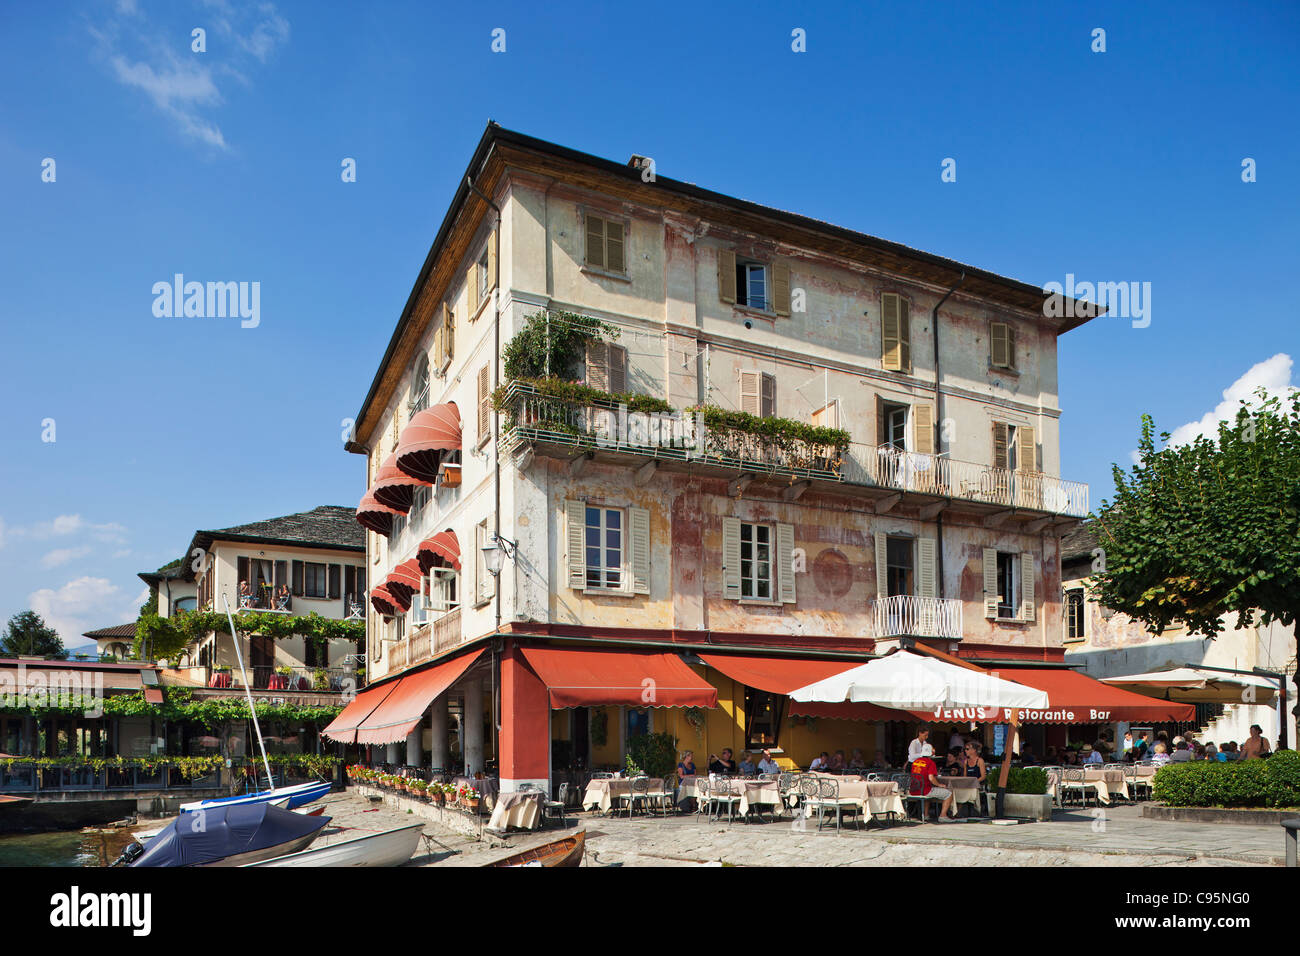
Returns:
point(1092, 756)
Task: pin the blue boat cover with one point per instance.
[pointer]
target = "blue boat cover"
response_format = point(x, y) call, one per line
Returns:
point(213, 833)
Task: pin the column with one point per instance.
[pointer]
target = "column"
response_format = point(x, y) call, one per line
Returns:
point(393, 754)
point(472, 721)
point(525, 723)
point(413, 748)
point(438, 755)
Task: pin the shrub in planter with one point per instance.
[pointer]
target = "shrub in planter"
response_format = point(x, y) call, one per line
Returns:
point(1031, 780)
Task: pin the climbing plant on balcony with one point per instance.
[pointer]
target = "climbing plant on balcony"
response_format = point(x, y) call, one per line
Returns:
point(552, 345)
point(178, 705)
point(734, 434)
point(168, 636)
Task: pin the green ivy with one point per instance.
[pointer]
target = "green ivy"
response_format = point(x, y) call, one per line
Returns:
point(189, 767)
point(168, 636)
point(579, 394)
point(783, 433)
point(552, 347)
point(178, 705)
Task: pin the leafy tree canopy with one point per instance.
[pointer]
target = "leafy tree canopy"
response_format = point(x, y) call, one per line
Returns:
point(27, 633)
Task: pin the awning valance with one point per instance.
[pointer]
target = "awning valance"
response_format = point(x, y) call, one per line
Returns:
point(403, 709)
point(404, 580)
point(1079, 699)
point(395, 488)
point(375, 516)
point(443, 545)
point(343, 728)
point(776, 675)
point(580, 677)
point(422, 442)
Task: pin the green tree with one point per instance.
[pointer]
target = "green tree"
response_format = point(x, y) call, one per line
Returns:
point(1210, 527)
point(27, 633)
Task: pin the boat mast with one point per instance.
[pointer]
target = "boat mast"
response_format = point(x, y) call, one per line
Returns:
point(234, 637)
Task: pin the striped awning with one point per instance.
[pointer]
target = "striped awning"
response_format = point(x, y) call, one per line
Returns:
point(443, 545)
point(421, 445)
point(405, 580)
point(375, 516)
point(395, 488)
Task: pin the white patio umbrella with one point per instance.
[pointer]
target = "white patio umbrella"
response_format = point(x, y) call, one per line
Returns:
point(1193, 685)
point(907, 681)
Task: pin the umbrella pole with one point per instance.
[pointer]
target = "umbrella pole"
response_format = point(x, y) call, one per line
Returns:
point(1005, 772)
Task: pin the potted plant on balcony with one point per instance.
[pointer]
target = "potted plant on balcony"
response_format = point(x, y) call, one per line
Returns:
point(435, 794)
point(420, 789)
point(320, 680)
point(469, 799)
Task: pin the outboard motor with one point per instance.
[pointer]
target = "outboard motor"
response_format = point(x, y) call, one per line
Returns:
point(129, 855)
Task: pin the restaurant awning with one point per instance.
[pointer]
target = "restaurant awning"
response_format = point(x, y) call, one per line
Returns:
point(1079, 699)
point(402, 710)
point(443, 545)
point(343, 728)
point(404, 580)
point(422, 442)
point(579, 677)
point(394, 487)
point(776, 675)
point(1195, 686)
point(375, 516)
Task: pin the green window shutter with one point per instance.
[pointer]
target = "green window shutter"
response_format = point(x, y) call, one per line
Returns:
point(785, 562)
point(595, 242)
point(575, 519)
point(731, 559)
point(639, 525)
point(990, 582)
point(727, 275)
point(781, 287)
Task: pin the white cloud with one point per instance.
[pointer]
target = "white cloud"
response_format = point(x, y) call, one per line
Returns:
point(122, 553)
point(178, 89)
point(63, 555)
point(67, 525)
point(1273, 375)
point(85, 604)
point(257, 29)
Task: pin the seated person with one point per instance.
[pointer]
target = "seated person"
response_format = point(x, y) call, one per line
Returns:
point(767, 764)
point(972, 763)
point(724, 764)
point(952, 765)
point(821, 763)
point(1161, 755)
point(881, 762)
point(925, 782)
point(1091, 755)
point(838, 762)
point(686, 766)
point(747, 766)
point(857, 761)
point(1181, 753)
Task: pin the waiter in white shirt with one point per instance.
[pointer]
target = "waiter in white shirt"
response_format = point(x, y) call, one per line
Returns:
point(914, 748)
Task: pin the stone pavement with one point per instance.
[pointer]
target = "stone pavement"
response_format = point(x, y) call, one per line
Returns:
point(1122, 837)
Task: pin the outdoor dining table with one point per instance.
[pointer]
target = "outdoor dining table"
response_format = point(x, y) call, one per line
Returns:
point(874, 797)
point(1108, 782)
point(604, 792)
point(752, 792)
point(488, 787)
point(964, 789)
point(520, 809)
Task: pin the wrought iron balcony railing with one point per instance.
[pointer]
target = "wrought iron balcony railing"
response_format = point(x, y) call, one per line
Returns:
point(904, 615)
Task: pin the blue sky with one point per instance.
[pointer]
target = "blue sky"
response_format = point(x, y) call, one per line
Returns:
point(224, 165)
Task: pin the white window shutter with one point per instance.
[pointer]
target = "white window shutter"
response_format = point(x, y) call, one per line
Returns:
point(990, 582)
point(785, 562)
point(598, 364)
point(575, 513)
point(639, 523)
point(882, 565)
point(1026, 586)
point(731, 559)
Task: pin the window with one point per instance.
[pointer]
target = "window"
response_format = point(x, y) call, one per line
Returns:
point(895, 333)
point(751, 285)
point(315, 652)
point(420, 385)
point(183, 604)
point(893, 426)
point(1074, 616)
point(899, 575)
point(758, 394)
point(419, 609)
point(764, 286)
point(484, 277)
point(1009, 585)
point(1014, 447)
point(604, 545)
point(1007, 590)
point(443, 587)
point(762, 719)
point(444, 339)
point(315, 582)
point(636, 722)
point(756, 561)
point(605, 242)
point(419, 498)
point(1002, 345)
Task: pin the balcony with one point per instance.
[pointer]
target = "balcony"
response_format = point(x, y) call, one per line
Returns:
point(904, 615)
point(265, 599)
point(319, 679)
point(426, 642)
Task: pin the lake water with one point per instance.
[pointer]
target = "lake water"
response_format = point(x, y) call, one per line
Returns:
point(67, 848)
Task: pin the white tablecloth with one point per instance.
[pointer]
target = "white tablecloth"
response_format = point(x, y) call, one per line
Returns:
point(520, 809)
point(601, 794)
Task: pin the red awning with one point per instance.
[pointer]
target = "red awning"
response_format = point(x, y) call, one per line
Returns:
point(375, 516)
point(403, 709)
point(847, 710)
point(404, 580)
point(343, 728)
point(385, 602)
point(394, 488)
point(1079, 699)
point(445, 545)
point(578, 677)
point(421, 444)
point(776, 675)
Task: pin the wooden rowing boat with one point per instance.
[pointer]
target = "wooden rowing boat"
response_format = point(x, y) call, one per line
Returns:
point(565, 852)
point(390, 848)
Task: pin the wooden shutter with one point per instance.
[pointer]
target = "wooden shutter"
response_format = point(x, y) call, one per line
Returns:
point(241, 571)
point(731, 558)
point(598, 364)
point(492, 260)
point(1026, 451)
point(297, 578)
point(614, 258)
point(990, 582)
point(1000, 443)
point(575, 516)
point(616, 356)
point(890, 350)
point(361, 582)
point(927, 567)
point(639, 525)
point(904, 334)
point(1011, 346)
point(484, 404)
point(750, 393)
point(471, 283)
point(781, 287)
point(439, 347)
point(785, 563)
point(595, 241)
point(923, 429)
point(281, 573)
point(349, 584)
point(998, 345)
point(727, 275)
point(769, 396)
point(335, 581)
point(828, 416)
point(882, 565)
point(1026, 586)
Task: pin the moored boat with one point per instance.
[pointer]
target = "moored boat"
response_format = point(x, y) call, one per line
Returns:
point(565, 852)
point(228, 836)
point(389, 848)
point(296, 796)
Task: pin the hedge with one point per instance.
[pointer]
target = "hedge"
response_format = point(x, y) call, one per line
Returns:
point(1273, 782)
point(1019, 779)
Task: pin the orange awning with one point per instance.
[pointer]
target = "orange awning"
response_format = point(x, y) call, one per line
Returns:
point(1079, 699)
point(577, 677)
point(403, 709)
point(385, 601)
point(776, 675)
point(404, 580)
point(343, 728)
point(393, 487)
point(421, 444)
point(375, 516)
point(445, 545)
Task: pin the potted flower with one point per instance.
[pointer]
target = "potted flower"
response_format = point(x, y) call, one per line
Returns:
point(469, 799)
point(419, 788)
point(283, 671)
point(437, 793)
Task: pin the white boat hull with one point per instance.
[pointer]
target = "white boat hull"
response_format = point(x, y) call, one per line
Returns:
point(390, 848)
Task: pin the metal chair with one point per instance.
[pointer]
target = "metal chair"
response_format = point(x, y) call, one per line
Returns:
point(702, 796)
point(665, 794)
point(829, 798)
point(1073, 780)
point(554, 809)
point(723, 792)
point(787, 785)
point(638, 792)
point(810, 791)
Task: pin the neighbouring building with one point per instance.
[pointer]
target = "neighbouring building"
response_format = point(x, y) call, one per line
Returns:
point(662, 570)
point(115, 641)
